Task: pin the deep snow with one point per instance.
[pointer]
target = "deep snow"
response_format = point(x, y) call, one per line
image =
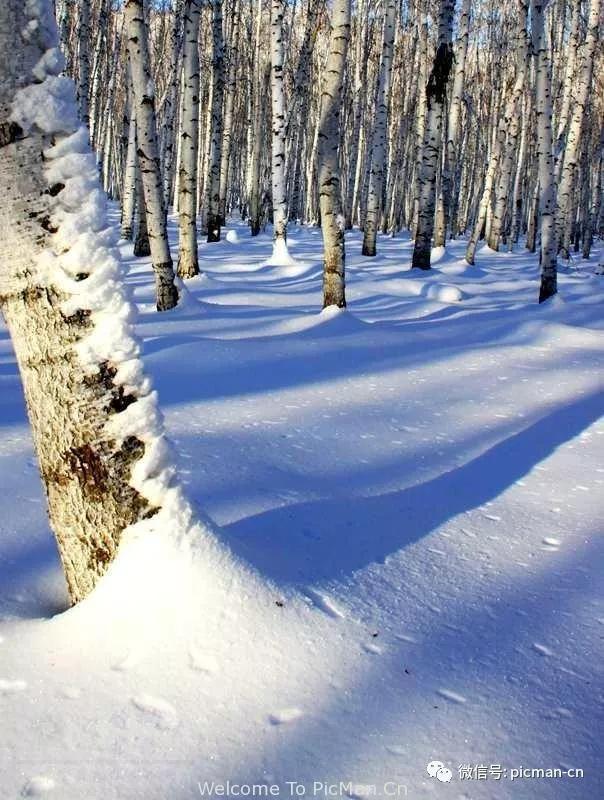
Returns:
point(408, 566)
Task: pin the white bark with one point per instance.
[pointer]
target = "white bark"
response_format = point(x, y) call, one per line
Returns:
point(188, 265)
point(332, 221)
point(547, 189)
point(450, 173)
point(566, 191)
point(76, 355)
point(436, 91)
point(216, 134)
point(148, 153)
point(378, 144)
point(278, 127)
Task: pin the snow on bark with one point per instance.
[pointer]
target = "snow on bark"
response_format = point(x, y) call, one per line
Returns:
point(97, 432)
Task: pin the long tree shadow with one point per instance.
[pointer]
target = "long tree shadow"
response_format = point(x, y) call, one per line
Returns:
point(328, 538)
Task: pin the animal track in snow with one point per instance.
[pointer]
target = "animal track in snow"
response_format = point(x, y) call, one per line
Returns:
point(11, 687)
point(38, 786)
point(163, 712)
point(285, 715)
point(454, 697)
point(324, 603)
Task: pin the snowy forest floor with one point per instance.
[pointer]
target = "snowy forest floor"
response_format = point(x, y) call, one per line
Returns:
point(409, 497)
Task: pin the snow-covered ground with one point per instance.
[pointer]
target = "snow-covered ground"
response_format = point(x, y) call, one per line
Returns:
point(408, 560)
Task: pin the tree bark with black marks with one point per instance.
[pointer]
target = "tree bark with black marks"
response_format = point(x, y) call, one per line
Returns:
point(188, 264)
point(436, 94)
point(332, 221)
point(148, 153)
point(216, 133)
point(76, 354)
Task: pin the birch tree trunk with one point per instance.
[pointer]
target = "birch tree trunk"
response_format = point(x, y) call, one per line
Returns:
point(129, 188)
point(227, 132)
point(547, 189)
point(188, 265)
point(450, 173)
point(216, 133)
point(436, 92)
point(278, 134)
point(256, 130)
point(378, 144)
point(571, 152)
point(510, 129)
point(84, 60)
point(332, 221)
point(61, 296)
point(148, 153)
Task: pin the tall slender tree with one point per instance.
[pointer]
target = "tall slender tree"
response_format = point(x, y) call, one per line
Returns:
point(332, 221)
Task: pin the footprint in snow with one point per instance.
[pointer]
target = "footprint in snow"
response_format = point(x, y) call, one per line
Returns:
point(453, 697)
point(285, 715)
point(324, 603)
point(11, 687)
point(551, 543)
point(38, 787)
point(163, 712)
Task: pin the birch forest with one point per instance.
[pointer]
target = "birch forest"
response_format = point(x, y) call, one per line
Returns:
point(471, 120)
point(301, 408)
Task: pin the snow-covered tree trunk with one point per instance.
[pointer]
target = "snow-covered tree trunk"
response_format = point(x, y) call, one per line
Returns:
point(148, 153)
point(188, 265)
point(545, 155)
point(436, 93)
point(332, 222)
point(378, 143)
point(278, 133)
point(61, 296)
point(450, 172)
point(566, 189)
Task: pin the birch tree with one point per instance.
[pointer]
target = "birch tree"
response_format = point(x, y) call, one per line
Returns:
point(278, 123)
point(61, 297)
point(378, 145)
point(216, 134)
point(148, 153)
point(450, 173)
point(332, 221)
point(188, 265)
point(436, 91)
point(547, 189)
point(570, 154)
